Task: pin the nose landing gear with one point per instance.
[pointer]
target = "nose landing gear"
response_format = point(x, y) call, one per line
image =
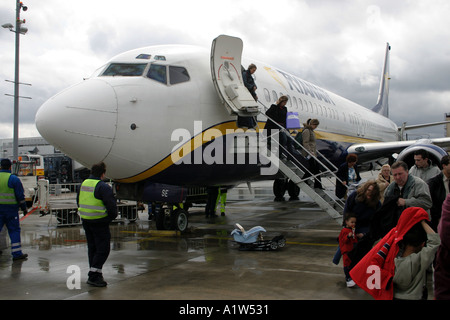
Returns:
point(170, 217)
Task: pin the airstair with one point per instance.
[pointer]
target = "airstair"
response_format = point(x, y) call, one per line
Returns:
point(290, 165)
point(226, 56)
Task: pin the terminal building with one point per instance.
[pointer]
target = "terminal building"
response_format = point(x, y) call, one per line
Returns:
point(58, 167)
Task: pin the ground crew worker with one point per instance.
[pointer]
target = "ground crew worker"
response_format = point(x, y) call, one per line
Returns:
point(211, 202)
point(97, 207)
point(222, 198)
point(11, 198)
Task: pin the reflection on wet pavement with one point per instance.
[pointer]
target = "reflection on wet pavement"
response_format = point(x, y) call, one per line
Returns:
point(204, 263)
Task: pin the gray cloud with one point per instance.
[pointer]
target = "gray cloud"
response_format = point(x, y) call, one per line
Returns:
point(338, 45)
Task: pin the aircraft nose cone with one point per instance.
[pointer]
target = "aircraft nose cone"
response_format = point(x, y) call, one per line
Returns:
point(81, 120)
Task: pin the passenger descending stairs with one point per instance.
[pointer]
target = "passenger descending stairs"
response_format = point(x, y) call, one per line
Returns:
point(294, 170)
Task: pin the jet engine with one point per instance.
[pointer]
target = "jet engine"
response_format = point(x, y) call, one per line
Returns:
point(435, 153)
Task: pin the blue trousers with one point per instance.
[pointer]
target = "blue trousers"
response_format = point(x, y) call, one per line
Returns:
point(11, 220)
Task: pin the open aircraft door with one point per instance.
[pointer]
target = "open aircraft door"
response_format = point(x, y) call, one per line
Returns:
point(226, 54)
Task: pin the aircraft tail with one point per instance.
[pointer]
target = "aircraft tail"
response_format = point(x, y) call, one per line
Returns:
point(382, 106)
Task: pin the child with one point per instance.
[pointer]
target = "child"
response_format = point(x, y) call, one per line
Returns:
point(347, 239)
point(413, 261)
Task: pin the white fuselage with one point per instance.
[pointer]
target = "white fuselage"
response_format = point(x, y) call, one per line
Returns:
point(128, 121)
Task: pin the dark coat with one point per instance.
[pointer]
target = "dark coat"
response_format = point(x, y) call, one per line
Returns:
point(342, 174)
point(363, 212)
point(384, 219)
point(249, 82)
point(278, 114)
point(438, 194)
point(442, 268)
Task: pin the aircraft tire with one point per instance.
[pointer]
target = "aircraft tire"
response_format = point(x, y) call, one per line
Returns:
point(279, 188)
point(293, 190)
point(180, 220)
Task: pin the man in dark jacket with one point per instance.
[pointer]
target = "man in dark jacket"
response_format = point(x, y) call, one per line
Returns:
point(249, 82)
point(97, 207)
point(439, 188)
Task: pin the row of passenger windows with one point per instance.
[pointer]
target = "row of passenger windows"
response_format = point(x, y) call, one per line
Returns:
point(297, 104)
point(164, 74)
point(303, 105)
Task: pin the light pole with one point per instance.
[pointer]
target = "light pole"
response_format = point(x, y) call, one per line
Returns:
point(19, 30)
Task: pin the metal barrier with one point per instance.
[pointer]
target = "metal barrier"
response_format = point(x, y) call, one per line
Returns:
point(59, 200)
point(68, 216)
point(65, 216)
point(63, 191)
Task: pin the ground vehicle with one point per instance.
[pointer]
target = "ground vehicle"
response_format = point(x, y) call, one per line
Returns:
point(29, 168)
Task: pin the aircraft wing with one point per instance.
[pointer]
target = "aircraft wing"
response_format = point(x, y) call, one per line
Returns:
point(371, 151)
point(404, 127)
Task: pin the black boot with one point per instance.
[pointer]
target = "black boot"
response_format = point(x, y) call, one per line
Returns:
point(96, 279)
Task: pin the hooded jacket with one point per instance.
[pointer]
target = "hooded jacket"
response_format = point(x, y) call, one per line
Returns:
point(375, 272)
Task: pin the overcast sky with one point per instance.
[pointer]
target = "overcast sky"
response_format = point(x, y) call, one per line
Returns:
point(338, 45)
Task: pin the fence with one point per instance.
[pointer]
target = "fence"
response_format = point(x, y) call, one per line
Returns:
point(59, 200)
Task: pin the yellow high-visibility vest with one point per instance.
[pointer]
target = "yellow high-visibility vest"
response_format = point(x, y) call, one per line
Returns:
point(89, 206)
point(7, 195)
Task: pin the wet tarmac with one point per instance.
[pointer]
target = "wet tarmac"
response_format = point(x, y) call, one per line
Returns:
point(203, 264)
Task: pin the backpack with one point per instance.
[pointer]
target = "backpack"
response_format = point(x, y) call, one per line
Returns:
point(299, 139)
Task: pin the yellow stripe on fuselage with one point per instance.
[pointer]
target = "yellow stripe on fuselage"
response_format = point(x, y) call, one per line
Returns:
point(195, 143)
point(330, 136)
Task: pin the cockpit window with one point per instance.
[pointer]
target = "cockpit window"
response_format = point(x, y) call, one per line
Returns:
point(125, 69)
point(158, 72)
point(178, 75)
point(144, 56)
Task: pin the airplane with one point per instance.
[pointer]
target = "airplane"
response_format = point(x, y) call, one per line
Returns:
point(164, 118)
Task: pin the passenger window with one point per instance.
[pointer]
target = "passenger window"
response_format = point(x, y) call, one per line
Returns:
point(125, 69)
point(274, 96)
point(158, 73)
point(267, 95)
point(178, 75)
